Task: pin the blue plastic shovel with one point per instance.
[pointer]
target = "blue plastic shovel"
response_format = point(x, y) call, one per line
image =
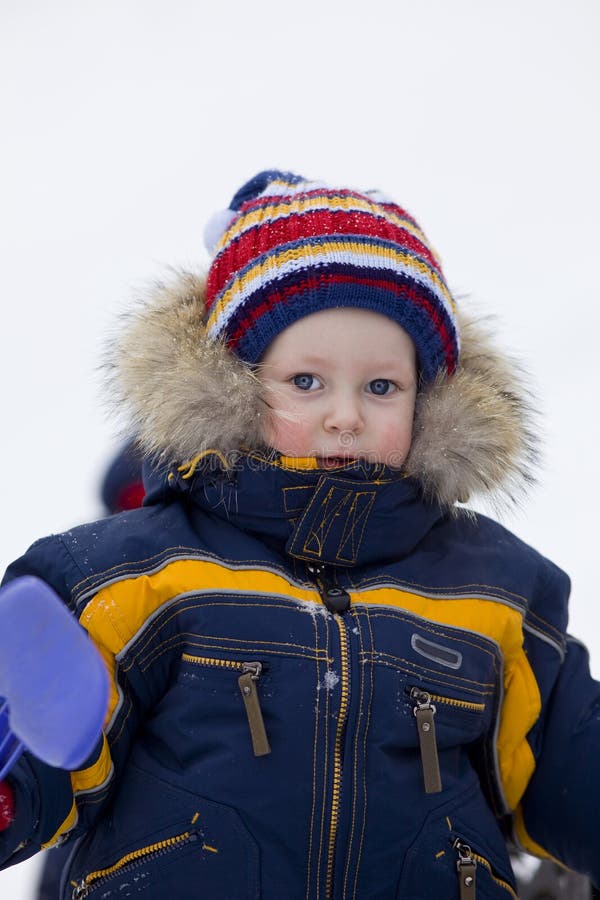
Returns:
point(53, 681)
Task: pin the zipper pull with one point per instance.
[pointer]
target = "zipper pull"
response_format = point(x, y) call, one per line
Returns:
point(424, 712)
point(466, 867)
point(80, 891)
point(248, 683)
point(335, 599)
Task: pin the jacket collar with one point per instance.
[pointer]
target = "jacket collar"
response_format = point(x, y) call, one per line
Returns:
point(353, 515)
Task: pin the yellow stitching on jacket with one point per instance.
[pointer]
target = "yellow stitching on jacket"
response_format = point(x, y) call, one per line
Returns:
point(394, 662)
point(424, 625)
point(354, 518)
point(164, 553)
point(195, 603)
point(428, 622)
point(287, 654)
point(355, 766)
point(308, 510)
point(559, 636)
point(303, 489)
point(320, 532)
point(458, 589)
point(342, 713)
point(177, 553)
point(317, 658)
point(325, 758)
point(420, 667)
point(227, 645)
point(365, 736)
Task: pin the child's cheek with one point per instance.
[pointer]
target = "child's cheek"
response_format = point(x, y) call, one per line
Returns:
point(289, 437)
point(395, 444)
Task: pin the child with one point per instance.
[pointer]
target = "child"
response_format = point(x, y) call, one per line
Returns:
point(327, 679)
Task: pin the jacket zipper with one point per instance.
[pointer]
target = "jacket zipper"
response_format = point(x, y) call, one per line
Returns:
point(248, 685)
point(93, 880)
point(337, 757)
point(466, 866)
point(424, 712)
point(337, 601)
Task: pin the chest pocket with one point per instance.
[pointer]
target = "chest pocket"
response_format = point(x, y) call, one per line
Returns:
point(443, 686)
point(246, 675)
point(441, 721)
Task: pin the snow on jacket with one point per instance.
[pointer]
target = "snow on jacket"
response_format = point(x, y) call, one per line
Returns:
point(325, 683)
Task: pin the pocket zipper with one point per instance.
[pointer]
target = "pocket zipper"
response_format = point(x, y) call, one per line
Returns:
point(93, 880)
point(248, 685)
point(424, 713)
point(466, 866)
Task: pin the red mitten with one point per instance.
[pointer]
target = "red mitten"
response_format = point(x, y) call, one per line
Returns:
point(7, 805)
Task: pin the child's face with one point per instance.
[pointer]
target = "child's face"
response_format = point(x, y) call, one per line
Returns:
point(341, 385)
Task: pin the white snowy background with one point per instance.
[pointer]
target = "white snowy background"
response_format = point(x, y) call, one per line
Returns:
point(124, 124)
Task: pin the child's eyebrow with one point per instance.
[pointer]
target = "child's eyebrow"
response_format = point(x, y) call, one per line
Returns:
point(309, 359)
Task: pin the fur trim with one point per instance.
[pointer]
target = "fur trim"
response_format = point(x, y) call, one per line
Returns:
point(183, 394)
point(179, 392)
point(474, 433)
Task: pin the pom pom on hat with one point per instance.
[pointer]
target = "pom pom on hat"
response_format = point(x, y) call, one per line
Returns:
point(261, 185)
point(216, 227)
point(220, 220)
point(288, 247)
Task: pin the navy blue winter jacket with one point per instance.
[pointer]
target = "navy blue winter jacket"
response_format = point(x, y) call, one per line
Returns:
point(323, 686)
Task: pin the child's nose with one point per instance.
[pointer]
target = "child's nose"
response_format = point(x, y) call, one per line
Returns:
point(344, 414)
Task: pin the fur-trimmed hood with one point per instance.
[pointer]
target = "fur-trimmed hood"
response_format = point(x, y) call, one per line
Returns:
point(181, 393)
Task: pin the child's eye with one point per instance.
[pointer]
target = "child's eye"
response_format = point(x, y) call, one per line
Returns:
point(306, 382)
point(381, 386)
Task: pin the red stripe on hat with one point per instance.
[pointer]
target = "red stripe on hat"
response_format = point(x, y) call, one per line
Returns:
point(415, 296)
point(287, 198)
point(300, 225)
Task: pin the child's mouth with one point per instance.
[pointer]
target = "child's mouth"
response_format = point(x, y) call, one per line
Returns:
point(331, 462)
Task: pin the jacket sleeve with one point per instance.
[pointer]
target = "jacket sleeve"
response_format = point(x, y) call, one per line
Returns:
point(560, 811)
point(52, 804)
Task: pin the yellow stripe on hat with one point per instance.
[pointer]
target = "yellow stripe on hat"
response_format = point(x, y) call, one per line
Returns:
point(301, 204)
point(313, 254)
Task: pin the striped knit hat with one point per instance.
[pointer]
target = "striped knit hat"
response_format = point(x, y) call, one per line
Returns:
point(288, 247)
